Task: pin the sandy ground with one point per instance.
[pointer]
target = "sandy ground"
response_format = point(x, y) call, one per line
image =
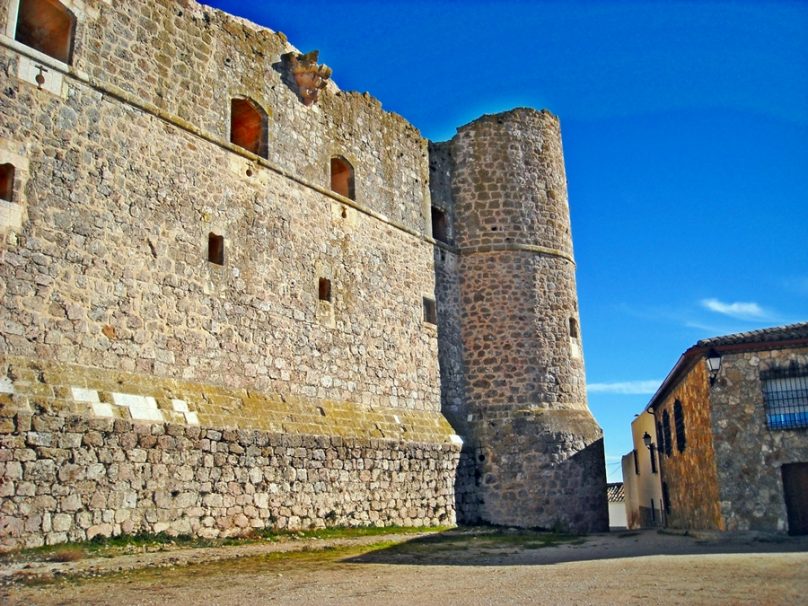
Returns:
point(450, 568)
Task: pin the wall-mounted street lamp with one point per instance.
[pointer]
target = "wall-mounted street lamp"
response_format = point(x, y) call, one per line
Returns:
point(649, 444)
point(713, 364)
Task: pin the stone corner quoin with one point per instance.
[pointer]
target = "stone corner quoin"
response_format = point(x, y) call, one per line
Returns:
point(235, 297)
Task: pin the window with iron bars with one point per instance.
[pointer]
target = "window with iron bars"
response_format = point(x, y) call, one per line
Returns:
point(785, 396)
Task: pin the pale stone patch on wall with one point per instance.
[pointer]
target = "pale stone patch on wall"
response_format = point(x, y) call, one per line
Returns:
point(181, 406)
point(575, 349)
point(80, 394)
point(10, 215)
point(6, 386)
point(41, 75)
point(12, 212)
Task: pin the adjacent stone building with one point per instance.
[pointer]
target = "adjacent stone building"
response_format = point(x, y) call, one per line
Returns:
point(235, 297)
point(731, 434)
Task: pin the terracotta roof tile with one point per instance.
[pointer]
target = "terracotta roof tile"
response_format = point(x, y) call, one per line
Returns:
point(614, 492)
point(776, 333)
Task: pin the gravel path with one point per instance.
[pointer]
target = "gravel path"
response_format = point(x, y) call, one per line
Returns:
point(452, 568)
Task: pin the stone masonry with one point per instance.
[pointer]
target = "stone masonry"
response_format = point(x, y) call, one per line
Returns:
point(536, 451)
point(203, 339)
point(747, 452)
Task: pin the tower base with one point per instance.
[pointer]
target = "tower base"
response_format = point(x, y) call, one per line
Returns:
point(534, 468)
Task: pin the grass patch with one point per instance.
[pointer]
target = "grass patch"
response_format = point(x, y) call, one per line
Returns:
point(466, 545)
point(108, 547)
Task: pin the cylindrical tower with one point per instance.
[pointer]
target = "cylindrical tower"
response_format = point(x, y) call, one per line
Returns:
point(538, 451)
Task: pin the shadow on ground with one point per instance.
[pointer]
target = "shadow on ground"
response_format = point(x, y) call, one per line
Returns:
point(511, 547)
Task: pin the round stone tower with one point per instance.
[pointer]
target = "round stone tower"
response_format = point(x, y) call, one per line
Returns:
point(537, 451)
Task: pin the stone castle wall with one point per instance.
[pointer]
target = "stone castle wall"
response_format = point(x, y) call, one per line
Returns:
point(87, 452)
point(117, 325)
point(111, 268)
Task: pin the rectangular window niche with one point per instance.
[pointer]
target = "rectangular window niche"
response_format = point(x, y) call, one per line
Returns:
point(324, 290)
point(215, 249)
point(430, 311)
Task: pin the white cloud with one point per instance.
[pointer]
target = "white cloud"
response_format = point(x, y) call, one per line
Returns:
point(625, 387)
point(738, 310)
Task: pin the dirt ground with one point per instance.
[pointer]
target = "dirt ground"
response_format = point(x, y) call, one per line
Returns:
point(452, 567)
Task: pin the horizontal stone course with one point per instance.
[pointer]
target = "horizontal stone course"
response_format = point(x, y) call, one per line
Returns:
point(66, 475)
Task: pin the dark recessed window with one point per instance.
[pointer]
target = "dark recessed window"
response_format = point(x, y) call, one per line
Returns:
point(679, 423)
point(47, 26)
point(342, 177)
point(440, 225)
point(216, 249)
point(430, 311)
point(660, 436)
point(324, 289)
point(636, 462)
point(666, 499)
point(248, 126)
point(666, 430)
point(573, 328)
point(7, 182)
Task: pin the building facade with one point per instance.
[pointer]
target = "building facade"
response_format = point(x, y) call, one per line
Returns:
point(235, 296)
point(732, 440)
point(642, 488)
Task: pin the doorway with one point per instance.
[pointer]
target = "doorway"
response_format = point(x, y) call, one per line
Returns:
point(795, 491)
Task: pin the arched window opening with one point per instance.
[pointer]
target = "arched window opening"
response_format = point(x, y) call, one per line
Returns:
point(679, 423)
point(342, 177)
point(573, 328)
point(47, 26)
point(248, 126)
point(7, 182)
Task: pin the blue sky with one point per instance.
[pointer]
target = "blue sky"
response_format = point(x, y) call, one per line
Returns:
point(685, 129)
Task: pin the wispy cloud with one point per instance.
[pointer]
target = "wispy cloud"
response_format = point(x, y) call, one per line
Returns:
point(737, 310)
point(625, 387)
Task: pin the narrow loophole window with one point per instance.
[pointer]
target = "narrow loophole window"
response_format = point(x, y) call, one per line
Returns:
point(46, 26)
point(7, 182)
point(324, 289)
point(216, 249)
point(248, 126)
point(573, 328)
point(342, 177)
point(440, 225)
point(430, 311)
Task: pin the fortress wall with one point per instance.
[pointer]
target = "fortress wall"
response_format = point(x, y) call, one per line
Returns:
point(87, 452)
point(187, 61)
point(311, 326)
point(110, 266)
